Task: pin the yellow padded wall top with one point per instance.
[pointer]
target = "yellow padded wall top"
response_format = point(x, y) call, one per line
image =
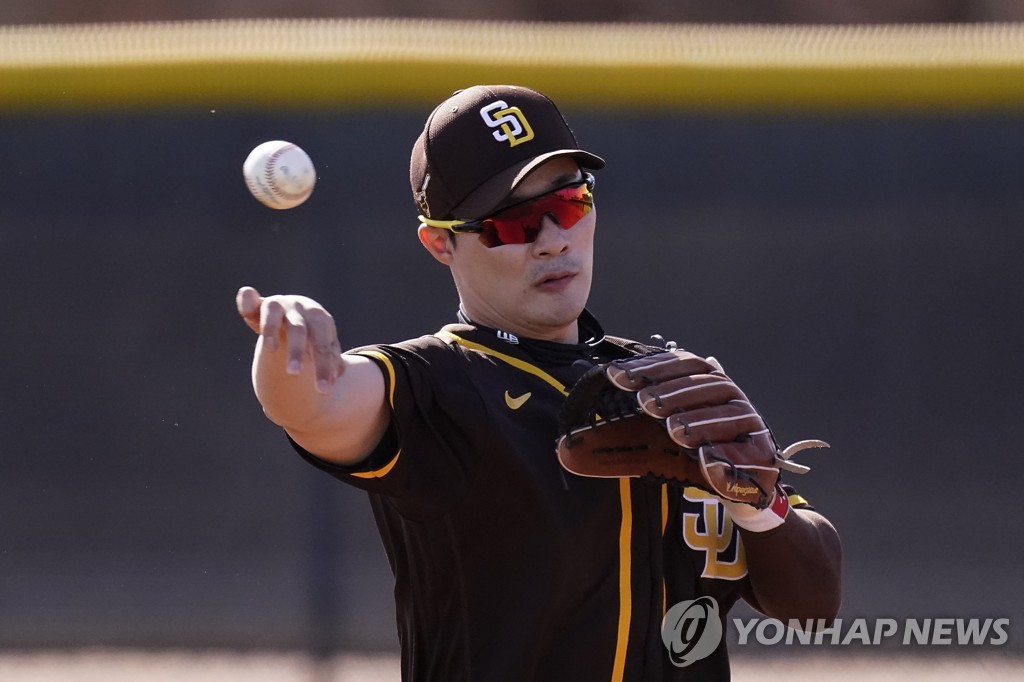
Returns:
point(350, 63)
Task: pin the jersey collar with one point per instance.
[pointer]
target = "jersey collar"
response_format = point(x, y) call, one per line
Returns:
point(587, 325)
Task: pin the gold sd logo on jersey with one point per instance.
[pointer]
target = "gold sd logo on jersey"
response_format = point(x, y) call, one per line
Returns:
point(707, 528)
point(511, 124)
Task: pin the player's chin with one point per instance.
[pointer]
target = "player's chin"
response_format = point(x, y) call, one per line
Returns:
point(560, 310)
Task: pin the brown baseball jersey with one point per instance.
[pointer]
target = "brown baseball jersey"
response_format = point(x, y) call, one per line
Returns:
point(506, 566)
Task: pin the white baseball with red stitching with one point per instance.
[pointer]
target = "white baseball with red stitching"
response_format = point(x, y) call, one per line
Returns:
point(279, 174)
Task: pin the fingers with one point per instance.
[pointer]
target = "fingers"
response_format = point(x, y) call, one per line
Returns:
point(700, 404)
point(324, 347)
point(687, 393)
point(310, 330)
point(302, 326)
point(717, 424)
point(633, 374)
point(295, 338)
point(272, 313)
point(248, 301)
point(741, 472)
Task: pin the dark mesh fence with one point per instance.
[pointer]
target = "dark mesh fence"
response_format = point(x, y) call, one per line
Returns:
point(859, 276)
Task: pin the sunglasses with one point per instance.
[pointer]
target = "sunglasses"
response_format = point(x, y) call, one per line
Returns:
point(520, 223)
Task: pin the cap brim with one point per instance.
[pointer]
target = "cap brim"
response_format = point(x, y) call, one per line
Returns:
point(489, 196)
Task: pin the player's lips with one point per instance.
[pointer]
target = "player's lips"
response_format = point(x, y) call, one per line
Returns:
point(556, 280)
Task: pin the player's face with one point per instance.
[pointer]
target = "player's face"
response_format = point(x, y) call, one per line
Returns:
point(536, 290)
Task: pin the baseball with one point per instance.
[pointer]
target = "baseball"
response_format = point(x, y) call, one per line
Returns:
point(279, 174)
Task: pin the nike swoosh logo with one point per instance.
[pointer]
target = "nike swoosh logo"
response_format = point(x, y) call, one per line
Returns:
point(516, 403)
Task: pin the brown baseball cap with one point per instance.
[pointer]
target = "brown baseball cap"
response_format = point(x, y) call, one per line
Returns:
point(480, 144)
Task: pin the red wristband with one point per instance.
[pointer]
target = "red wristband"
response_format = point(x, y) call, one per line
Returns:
point(780, 505)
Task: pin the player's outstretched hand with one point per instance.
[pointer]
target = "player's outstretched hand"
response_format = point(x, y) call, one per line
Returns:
point(301, 326)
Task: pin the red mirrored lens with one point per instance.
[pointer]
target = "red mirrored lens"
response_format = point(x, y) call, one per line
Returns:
point(521, 224)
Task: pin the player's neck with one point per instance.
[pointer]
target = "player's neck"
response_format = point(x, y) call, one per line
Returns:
point(568, 334)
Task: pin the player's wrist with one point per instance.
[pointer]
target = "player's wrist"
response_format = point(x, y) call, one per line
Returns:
point(756, 520)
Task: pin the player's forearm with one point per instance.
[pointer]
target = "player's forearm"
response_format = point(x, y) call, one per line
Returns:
point(795, 569)
point(341, 424)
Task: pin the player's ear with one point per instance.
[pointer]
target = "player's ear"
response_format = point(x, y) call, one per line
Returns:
point(439, 242)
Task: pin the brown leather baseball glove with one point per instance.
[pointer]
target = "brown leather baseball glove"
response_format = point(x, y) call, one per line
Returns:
point(672, 416)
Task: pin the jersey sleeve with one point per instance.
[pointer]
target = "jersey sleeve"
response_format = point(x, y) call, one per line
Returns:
point(796, 500)
point(424, 459)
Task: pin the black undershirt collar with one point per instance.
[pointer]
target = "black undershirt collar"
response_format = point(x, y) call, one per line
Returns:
point(551, 352)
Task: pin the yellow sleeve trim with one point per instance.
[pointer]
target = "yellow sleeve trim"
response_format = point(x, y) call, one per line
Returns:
point(382, 472)
point(795, 499)
point(390, 369)
point(386, 361)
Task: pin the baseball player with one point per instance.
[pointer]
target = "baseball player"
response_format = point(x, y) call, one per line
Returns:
point(512, 561)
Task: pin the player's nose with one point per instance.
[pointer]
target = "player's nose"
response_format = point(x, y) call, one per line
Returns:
point(552, 240)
